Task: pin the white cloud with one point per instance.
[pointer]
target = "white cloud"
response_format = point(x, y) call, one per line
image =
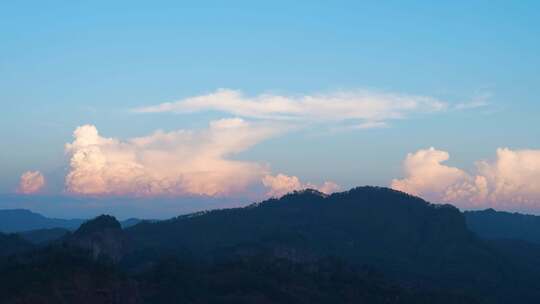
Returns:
point(179, 163)
point(282, 184)
point(31, 182)
point(363, 108)
point(514, 177)
point(511, 181)
point(166, 163)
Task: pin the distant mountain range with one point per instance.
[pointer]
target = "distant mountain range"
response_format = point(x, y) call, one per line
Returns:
point(488, 224)
point(22, 220)
point(18, 220)
point(365, 245)
point(491, 224)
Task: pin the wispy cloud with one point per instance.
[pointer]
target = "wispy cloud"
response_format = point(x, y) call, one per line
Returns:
point(363, 108)
point(471, 105)
point(479, 101)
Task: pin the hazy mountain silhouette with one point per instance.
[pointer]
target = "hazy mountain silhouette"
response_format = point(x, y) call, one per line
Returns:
point(44, 236)
point(132, 222)
point(369, 244)
point(491, 224)
point(22, 220)
point(18, 220)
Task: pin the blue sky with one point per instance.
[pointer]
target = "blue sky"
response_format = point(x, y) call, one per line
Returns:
point(65, 64)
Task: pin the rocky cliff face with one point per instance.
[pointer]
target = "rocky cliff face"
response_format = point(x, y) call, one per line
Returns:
point(102, 237)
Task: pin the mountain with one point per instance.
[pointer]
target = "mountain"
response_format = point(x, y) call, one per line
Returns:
point(43, 236)
point(78, 269)
point(131, 222)
point(262, 279)
point(411, 241)
point(11, 244)
point(366, 245)
point(66, 275)
point(383, 227)
point(17, 220)
point(103, 237)
point(22, 220)
point(71, 272)
point(491, 224)
point(58, 274)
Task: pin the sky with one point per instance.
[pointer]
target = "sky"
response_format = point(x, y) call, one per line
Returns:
point(158, 108)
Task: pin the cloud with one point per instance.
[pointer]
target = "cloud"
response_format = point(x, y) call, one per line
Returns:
point(513, 177)
point(361, 108)
point(479, 101)
point(282, 184)
point(426, 176)
point(174, 163)
point(371, 125)
point(511, 181)
point(471, 105)
point(31, 182)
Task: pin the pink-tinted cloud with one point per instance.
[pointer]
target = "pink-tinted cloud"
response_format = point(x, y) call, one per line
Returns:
point(514, 177)
point(328, 187)
point(511, 181)
point(31, 182)
point(175, 163)
point(282, 184)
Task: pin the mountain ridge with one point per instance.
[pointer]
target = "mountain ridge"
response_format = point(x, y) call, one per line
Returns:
point(24, 220)
point(492, 224)
point(426, 251)
point(350, 225)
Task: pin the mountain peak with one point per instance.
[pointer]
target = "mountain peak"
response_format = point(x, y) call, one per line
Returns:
point(102, 236)
point(100, 223)
point(309, 192)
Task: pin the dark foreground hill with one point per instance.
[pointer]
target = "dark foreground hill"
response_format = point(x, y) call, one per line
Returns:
point(12, 244)
point(366, 245)
point(403, 235)
point(43, 236)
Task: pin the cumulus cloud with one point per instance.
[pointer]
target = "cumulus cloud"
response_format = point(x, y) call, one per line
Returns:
point(511, 181)
point(513, 177)
point(363, 108)
point(174, 163)
point(31, 182)
point(282, 184)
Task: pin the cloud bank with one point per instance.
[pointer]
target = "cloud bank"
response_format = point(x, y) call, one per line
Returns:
point(178, 163)
point(363, 108)
point(166, 163)
point(510, 181)
point(31, 182)
point(281, 184)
